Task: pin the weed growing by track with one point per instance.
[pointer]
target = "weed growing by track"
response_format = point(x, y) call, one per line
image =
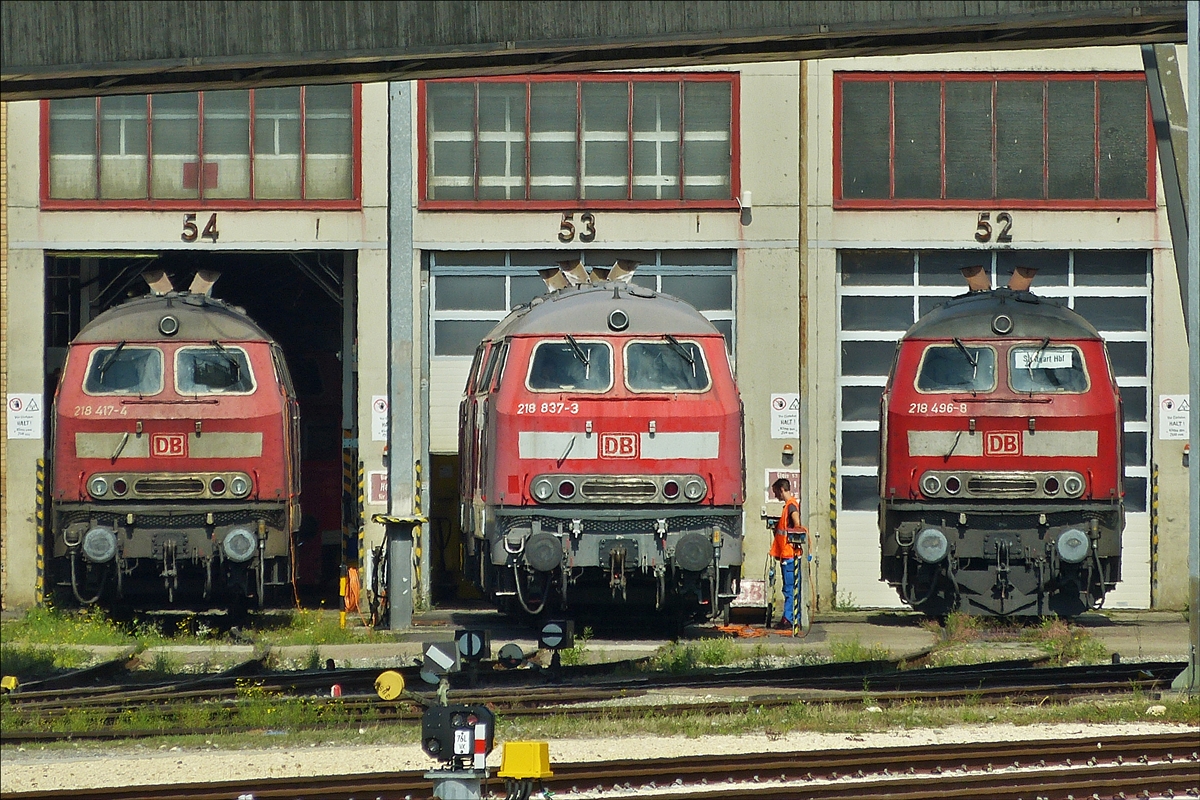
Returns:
point(854, 650)
point(1056, 641)
point(34, 661)
point(678, 657)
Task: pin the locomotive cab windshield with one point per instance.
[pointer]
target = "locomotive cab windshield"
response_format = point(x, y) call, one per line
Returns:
point(213, 370)
point(125, 370)
point(665, 366)
point(571, 365)
point(1041, 368)
point(957, 368)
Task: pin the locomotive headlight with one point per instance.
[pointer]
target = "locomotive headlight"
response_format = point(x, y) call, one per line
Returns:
point(217, 485)
point(240, 485)
point(670, 490)
point(566, 490)
point(931, 546)
point(694, 489)
point(1073, 545)
point(1073, 485)
point(931, 484)
point(542, 489)
point(239, 545)
point(953, 484)
point(1051, 485)
point(100, 545)
point(120, 487)
point(98, 486)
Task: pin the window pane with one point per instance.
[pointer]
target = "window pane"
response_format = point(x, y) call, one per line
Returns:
point(459, 337)
point(928, 303)
point(1051, 266)
point(655, 141)
point(502, 141)
point(954, 369)
point(73, 148)
point(870, 267)
point(867, 358)
point(877, 313)
point(725, 326)
point(1071, 132)
point(582, 366)
point(1110, 268)
point(1113, 313)
point(123, 151)
point(706, 140)
point(328, 142)
point(1122, 139)
point(704, 292)
point(227, 143)
point(277, 144)
point(211, 370)
point(450, 133)
point(475, 292)
point(1046, 369)
point(663, 366)
point(1133, 399)
point(175, 169)
point(1128, 358)
point(860, 449)
point(865, 123)
point(606, 140)
point(969, 139)
point(944, 267)
point(1018, 139)
point(860, 403)
point(553, 110)
point(1135, 448)
point(124, 370)
point(685, 258)
point(468, 258)
point(523, 289)
point(860, 492)
point(1135, 494)
point(918, 139)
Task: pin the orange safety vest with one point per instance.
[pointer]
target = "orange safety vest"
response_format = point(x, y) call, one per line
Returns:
point(780, 546)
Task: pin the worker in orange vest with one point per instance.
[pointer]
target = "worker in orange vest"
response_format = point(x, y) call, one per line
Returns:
point(783, 550)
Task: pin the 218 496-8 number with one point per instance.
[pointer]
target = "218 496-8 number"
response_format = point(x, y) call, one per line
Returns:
point(937, 408)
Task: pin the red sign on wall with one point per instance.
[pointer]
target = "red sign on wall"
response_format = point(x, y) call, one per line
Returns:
point(1002, 443)
point(618, 445)
point(168, 445)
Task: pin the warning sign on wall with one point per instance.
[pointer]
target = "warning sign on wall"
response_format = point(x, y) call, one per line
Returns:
point(1173, 413)
point(24, 416)
point(785, 416)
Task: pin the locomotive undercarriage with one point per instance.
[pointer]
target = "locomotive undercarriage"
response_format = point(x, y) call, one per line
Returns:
point(670, 560)
point(193, 553)
point(1016, 560)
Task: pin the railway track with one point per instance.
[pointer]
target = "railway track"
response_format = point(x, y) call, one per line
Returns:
point(1106, 767)
point(38, 717)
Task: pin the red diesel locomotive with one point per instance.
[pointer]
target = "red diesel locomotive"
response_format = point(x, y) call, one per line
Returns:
point(1001, 458)
point(601, 452)
point(175, 468)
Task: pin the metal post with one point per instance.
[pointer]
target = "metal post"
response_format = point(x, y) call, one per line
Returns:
point(1193, 317)
point(400, 599)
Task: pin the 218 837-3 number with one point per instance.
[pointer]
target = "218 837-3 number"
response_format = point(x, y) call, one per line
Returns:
point(549, 407)
point(937, 408)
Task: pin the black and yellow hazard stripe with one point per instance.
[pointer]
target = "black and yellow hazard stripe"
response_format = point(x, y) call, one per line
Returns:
point(417, 485)
point(360, 515)
point(833, 576)
point(39, 591)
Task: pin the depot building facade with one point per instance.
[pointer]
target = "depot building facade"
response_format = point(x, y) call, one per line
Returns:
point(812, 211)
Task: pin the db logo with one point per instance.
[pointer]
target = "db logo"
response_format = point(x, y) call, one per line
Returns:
point(168, 445)
point(1002, 443)
point(618, 445)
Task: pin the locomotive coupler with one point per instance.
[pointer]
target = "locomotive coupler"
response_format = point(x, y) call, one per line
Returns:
point(170, 572)
point(616, 565)
point(576, 528)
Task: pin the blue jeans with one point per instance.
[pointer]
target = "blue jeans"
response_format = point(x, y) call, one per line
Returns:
point(788, 566)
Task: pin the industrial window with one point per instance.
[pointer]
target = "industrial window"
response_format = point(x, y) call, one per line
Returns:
point(1073, 140)
point(250, 148)
point(613, 140)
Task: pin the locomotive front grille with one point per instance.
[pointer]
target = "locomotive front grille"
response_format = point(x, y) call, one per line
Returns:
point(1001, 486)
point(169, 486)
point(618, 489)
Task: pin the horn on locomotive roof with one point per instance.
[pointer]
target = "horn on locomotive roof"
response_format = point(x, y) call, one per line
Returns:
point(1022, 279)
point(574, 272)
point(621, 271)
point(203, 281)
point(159, 281)
point(978, 279)
point(554, 278)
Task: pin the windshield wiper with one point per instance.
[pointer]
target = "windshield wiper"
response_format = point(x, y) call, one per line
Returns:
point(581, 355)
point(109, 359)
point(234, 368)
point(683, 351)
point(973, 360)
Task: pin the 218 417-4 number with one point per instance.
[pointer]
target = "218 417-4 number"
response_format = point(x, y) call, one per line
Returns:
point(937, 408)
point(549, 407)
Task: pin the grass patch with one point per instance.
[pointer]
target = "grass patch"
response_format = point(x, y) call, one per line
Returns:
point(854, 650)
point(31, 662)
point(576, 654)
point(313, 628)
point(1066, 643)
point(679, 657)
point(52, 627)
